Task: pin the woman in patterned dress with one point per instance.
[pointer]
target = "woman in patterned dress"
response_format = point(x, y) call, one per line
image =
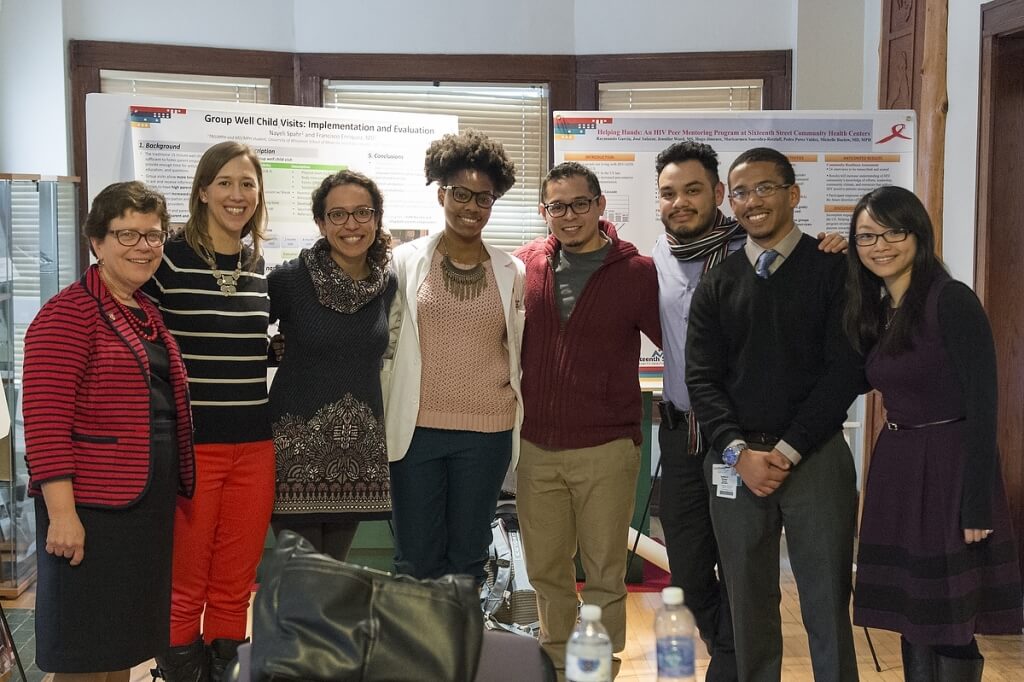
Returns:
point(326, 404)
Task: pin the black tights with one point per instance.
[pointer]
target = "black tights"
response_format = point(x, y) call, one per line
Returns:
point(967, 652)
point(333, 538)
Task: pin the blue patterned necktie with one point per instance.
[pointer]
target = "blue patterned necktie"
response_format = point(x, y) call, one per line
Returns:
point(764, 263)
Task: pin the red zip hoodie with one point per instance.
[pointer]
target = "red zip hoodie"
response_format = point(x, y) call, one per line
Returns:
point(580, 379)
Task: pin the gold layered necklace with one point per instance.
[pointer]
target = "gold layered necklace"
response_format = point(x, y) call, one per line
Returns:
point(463, 284)
point(227, 281)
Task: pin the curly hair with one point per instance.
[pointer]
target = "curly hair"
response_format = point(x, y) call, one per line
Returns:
point(469, 150)
point(215, 158)
point(689, 150)
point(380, 251)
point(115, 200)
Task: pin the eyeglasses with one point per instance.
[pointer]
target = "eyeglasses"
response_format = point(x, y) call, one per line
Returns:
point(339, 216)
point(556, 209)
point(764, 189)
point(463, 195)
point(891, 236)
point(132, 237)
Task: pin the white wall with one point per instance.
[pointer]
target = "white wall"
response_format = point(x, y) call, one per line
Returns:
point(33, 102)
point(435, 26)
point(829, 58)
point(447, 26)
point(616, 27)
point(252, 25)
point(872, 42)
point(961, 177)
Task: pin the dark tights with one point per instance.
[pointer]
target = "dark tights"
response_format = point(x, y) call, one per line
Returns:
point(967, 652)
point(333, 538)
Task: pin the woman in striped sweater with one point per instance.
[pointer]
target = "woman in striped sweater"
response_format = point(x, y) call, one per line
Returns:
point(213, 294)
point(109, 444)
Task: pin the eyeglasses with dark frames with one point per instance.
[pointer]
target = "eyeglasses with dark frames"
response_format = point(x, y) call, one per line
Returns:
point(131, 237)
point(891, 236)
point(339, 216)
point(463, 195)
point(580, 206)
point(763, 189)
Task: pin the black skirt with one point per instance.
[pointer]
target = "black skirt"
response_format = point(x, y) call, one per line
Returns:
point(112, 611)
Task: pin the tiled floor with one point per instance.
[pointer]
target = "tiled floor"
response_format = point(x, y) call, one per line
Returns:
point(22, 627)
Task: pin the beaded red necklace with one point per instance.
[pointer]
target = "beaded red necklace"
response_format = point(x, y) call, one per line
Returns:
point(145, 330)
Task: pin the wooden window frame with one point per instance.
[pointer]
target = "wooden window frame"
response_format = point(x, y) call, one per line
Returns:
point(773, 67)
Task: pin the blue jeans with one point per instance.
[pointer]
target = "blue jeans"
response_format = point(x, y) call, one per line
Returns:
point(444, 492)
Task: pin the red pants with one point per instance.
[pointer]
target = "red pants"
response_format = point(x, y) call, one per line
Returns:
point(218, 540)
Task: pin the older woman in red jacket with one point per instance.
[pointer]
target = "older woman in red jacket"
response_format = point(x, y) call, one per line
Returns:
point(108, 436)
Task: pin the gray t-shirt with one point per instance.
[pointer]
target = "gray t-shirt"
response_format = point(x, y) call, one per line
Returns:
point(571, 275)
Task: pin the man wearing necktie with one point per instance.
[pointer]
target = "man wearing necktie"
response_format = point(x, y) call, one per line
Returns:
point(771, 377)
point(697, 238)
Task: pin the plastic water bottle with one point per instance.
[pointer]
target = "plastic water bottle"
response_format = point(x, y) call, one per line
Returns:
point(588, 654)
point(674, 630)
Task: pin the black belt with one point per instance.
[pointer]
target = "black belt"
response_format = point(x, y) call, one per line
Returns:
point(910, 427)
point(671, 417)
point(761, 438)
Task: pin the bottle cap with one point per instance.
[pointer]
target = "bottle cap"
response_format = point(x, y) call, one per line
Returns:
point(672, 596)
point(590, 612)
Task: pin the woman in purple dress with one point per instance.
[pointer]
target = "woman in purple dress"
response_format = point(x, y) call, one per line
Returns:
point(937, 560)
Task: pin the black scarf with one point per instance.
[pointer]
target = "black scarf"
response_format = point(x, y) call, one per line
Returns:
point(713, 248)
point(334, 288)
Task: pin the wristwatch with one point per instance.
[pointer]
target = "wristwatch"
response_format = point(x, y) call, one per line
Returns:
point(732, 453)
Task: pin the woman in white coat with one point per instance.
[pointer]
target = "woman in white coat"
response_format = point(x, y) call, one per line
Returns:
point(453, 406)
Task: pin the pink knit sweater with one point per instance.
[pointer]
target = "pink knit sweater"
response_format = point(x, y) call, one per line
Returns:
point(465, 380)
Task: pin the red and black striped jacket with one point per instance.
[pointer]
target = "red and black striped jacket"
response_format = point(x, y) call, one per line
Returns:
point(86, 398)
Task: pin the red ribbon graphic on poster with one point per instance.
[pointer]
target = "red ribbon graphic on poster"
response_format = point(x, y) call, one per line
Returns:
point(897, 131)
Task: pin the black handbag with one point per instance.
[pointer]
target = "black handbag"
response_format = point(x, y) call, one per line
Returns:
point(316, 618)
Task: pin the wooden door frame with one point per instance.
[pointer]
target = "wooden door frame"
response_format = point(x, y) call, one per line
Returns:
point(1000, 20)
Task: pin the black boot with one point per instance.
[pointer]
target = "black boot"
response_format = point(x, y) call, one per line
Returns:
point(918, 662)
point(184, 663)
point(959, 669)
point(222, 652)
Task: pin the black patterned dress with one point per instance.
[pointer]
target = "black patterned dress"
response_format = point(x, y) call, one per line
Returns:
point(915, 573)
point(326, 404)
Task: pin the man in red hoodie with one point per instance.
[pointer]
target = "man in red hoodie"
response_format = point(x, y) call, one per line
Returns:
point(588, 296)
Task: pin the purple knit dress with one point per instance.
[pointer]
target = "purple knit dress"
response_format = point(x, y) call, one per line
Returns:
point(915, 574)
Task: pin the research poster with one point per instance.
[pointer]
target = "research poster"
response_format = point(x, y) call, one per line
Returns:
point(160, 142)
point(838, 156)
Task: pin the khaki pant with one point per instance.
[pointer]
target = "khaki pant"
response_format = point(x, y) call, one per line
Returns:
point(578, 497)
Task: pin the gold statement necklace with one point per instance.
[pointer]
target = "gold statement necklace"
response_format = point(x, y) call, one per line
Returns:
point(227, 281)
point(463, 284)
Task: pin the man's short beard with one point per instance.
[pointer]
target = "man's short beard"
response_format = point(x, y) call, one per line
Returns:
point(690, 235)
